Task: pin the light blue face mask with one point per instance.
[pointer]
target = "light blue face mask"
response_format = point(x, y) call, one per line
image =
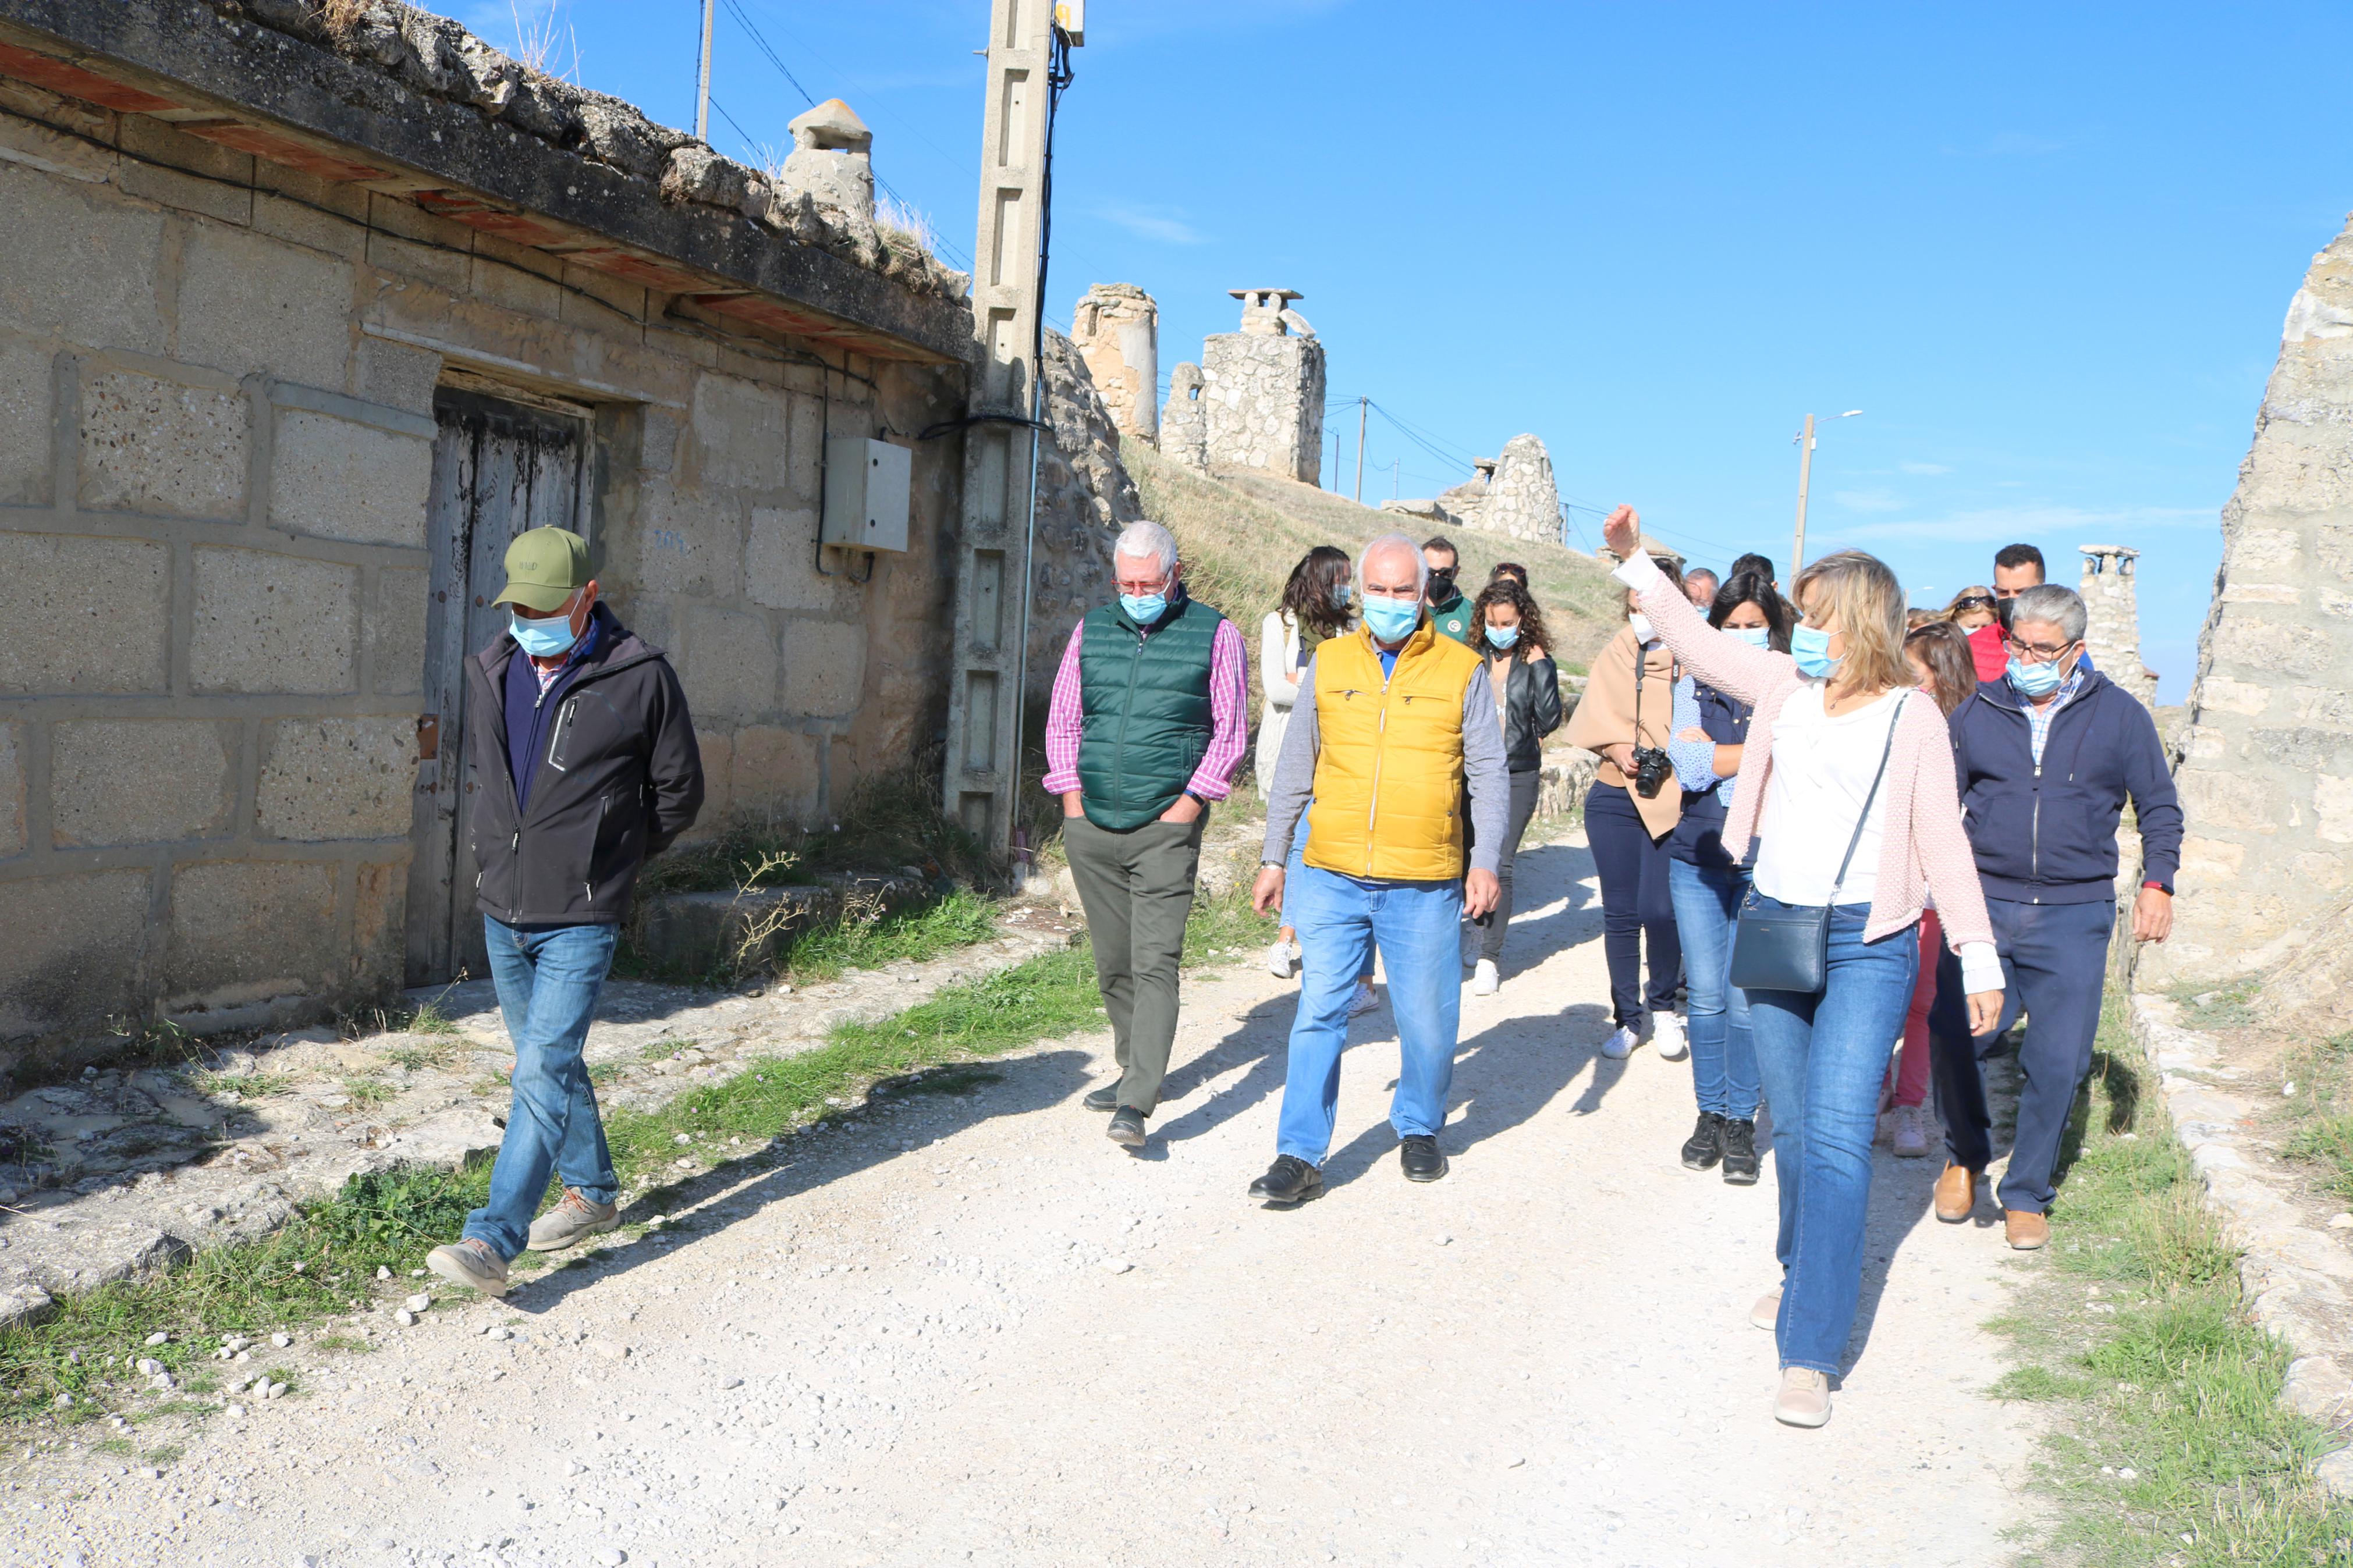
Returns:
point(1810, 646)
point(2036, 681)
point(1391, 620)
point(1143, 608)
point(1503, 636)
point(544, 639)
point(1343, 596)
point(1754, 637)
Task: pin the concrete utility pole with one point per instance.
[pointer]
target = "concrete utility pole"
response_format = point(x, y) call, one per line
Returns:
point(1360, 450)
point(702, 80)
point(1002, 411)
point(1805, 476)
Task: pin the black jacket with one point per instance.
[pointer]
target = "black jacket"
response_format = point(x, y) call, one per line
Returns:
point(1531, 710)
point(2047, 835)
point(620, 779)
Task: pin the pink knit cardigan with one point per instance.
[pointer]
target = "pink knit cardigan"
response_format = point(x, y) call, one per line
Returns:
point(1922, 847)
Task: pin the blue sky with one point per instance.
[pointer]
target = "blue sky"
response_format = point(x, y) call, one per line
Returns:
point(2046, 250)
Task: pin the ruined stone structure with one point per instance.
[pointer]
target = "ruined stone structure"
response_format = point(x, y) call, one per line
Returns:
point(832, 160)
point(1512, 495)
point(297, 327)
point(2114, 621)
point(2266, 777)
point(1256, 400)
point(1116, 327)
point(1084, 498)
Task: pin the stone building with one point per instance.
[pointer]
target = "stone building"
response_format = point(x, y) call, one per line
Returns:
point(2266, 777)
point(1256, 400)
point(1116, 327)
point(2114, 629)
point(298, 324)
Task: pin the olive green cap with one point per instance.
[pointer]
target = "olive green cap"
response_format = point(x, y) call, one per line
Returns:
point(545, 567)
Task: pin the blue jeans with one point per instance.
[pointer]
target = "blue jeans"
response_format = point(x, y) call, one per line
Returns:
point(1823, 1058)
point(548, 979)
point(1724, 1057)
point(1417, 926)
point(1290, 870)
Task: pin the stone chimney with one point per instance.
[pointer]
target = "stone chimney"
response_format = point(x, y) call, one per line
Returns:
point(1116, 327)
point(832, 159)
point(1264, 310)
point(2114, 618)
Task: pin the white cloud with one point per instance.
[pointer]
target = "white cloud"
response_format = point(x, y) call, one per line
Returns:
point(1869, 500)
point(1929, 469)
point(2073, 524)
point(1166, 225)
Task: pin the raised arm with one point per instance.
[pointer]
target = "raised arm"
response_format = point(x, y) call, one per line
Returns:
point(1724, 661)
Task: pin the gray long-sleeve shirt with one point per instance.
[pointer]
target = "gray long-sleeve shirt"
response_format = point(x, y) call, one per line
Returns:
point(1484, 769)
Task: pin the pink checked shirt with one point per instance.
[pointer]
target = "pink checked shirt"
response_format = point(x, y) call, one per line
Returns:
point(1229, 729)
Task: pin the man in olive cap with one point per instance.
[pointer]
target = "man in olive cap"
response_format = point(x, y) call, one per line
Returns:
point(587, 765)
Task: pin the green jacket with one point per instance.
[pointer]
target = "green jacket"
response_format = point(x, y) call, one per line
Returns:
point(1144, 705)
point(1453, 618)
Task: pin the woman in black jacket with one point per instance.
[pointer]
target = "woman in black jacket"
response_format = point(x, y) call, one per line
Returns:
point(1527, 688)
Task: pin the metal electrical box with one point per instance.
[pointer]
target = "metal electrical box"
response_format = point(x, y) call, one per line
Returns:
point(866, 494)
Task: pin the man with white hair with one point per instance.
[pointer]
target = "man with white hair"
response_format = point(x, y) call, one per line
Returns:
point(1699, 587)
point(1149, 718)
point(1391, 722)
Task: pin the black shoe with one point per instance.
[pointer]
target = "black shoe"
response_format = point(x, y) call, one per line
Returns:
point(1706, 1145)
point(1127, 1127)
point(1740, 1153)
point(1288, 1182)
point(1418, 1157)
point(1103, 1099)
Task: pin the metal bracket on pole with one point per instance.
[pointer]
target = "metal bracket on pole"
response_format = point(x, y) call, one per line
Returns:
point(983, 765)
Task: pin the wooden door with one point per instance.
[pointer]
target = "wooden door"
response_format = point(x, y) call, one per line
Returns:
point(499, 468)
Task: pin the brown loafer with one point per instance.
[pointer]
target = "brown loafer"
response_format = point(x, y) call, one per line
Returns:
point(1956, 1193)
point(2024, 1230)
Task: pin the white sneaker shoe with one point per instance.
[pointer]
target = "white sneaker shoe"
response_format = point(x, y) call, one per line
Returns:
point(1621, 1046)
point(1667, 1038)
point(1280, 957)
point(1363, 1001)
point(1911, 1135)
point(1486, 981)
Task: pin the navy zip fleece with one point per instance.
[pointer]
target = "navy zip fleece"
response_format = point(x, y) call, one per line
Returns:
point(2048, 835)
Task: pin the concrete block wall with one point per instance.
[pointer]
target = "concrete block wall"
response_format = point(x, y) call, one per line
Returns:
point(217, 430)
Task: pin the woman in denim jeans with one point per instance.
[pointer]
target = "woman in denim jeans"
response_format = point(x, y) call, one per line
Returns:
point(1707, 885)
point(1847, 781)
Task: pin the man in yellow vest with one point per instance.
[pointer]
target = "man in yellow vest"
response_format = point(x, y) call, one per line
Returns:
point(1391, 722)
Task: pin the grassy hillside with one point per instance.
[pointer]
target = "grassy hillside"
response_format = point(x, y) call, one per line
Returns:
point(1242, 532)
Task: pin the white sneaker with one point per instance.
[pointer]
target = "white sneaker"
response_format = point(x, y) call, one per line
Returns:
point(1911, 1135)
point(1667, 1038)
point(1280, 957)
point(1363, 1001)
point(1621, 1046)
point(1486, 981)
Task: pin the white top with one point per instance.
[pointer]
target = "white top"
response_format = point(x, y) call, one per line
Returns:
point(1822, 769)
point(1278, 660)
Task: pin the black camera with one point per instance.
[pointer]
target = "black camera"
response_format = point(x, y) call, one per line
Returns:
point(1652, 769)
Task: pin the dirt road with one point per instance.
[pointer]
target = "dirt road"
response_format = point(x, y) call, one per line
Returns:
point(975, 1329)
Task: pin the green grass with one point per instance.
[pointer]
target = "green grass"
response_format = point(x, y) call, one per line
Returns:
point(2217, 1007)
point(959, 920)
point(414, 1057)
point(2326, 1142)
point(1223, 930)
point(228, 1086)
point(2178, 1384)
point(368, 1092)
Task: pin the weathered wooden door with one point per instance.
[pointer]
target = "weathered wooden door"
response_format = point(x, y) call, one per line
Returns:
point(499, 468)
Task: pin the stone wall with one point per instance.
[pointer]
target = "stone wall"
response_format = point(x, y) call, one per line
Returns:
point(1512, 494)
point(1116, 327)
point(218, 380)
point(1084, 498)
point(1256, 400)
point(2112, 618)
point(2266, 777)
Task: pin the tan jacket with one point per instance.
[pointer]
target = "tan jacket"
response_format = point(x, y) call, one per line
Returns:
point(1604, 716)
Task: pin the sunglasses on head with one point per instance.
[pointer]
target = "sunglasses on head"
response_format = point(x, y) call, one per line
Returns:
point(1975, 602)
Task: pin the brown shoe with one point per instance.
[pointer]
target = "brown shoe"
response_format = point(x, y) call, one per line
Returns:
point(1956, 1193)
point(2024, 1229)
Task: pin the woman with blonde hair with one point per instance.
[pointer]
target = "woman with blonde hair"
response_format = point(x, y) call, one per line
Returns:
point(1971, 608)
point(1846, 785)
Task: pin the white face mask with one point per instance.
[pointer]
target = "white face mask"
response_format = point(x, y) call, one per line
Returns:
point(1642, 624)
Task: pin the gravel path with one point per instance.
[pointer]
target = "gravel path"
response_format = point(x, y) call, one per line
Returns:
point(974, 1329)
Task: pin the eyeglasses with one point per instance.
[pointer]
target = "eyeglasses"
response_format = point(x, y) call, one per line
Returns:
point(2038, 654)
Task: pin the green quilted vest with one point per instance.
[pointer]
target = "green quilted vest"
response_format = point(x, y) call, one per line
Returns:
point(1144, 701)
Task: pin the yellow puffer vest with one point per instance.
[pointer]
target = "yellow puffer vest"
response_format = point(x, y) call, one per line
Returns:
point(1388, 768)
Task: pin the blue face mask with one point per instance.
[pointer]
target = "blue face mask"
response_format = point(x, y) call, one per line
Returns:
point(1343, 596)
point(1143, 608)
point(1503, 636)
point(544, 639)
point(2036, 681)
point(1810, 645)
point(1391, 620)
point(1754, 637)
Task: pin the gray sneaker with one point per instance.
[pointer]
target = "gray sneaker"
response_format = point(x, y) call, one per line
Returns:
point(572, 1220)
point(472, 1263)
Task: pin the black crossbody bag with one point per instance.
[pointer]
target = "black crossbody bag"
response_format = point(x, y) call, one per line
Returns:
point(1790, 950)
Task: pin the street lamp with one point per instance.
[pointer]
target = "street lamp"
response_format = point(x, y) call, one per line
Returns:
point(1805, 473)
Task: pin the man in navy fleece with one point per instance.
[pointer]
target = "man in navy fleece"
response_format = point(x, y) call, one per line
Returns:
point(2047, 755)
